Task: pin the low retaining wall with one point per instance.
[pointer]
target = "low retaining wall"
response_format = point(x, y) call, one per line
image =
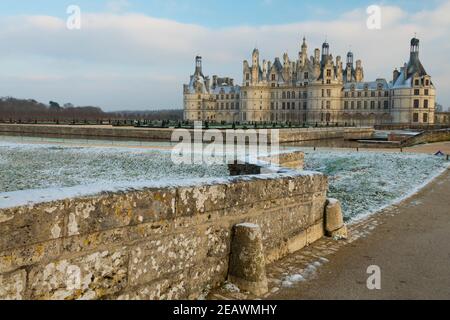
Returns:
point(285, 135)
point(297, 135)
point(428, 137)
point(170, 243)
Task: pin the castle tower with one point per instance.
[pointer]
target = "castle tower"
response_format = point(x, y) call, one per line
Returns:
point(349, 69)
point(198, 66)
point(304, 52)
point(325, 52)
point(255, 66)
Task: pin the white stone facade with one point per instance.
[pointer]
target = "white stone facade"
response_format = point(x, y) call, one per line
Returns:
point(316, 90)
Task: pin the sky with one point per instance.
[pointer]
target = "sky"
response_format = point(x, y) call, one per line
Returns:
point(136, 54)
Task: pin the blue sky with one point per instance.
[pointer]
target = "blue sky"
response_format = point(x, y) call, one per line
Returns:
point(132, 54)
point(215, 13)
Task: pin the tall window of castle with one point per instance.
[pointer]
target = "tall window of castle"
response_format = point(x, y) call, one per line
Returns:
point(427, 82)
point(328, 73)
point(306, 75)
point(328, 92)
point(289, 95)
point(425, 103)
point(293, 94)
point(283, 95)
point(359, 94)
point(416, 92)
point(345, 105)
point(273, 77)
point(352, 105)
point(305, 105)
point(358, 105)
point(425, 117)
point(416, 103)
point(372, 105)
point(416, 83)
point(366, 94)
point(328, 104)
point(346, 94)
point(415, 117)
point(365, 104)
point(427, 92)
point(372, 94)
point(386, 104)
point(323, 93)
point(247, 76)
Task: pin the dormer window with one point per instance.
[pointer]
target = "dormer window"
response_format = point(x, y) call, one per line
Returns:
point(417, 82)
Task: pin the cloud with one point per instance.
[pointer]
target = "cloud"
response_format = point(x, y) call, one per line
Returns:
point(127, 60)
point(117, 5)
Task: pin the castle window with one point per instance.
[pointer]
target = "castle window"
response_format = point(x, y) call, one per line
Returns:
point(427, 82)
point(305, 105)
point(328, 81)
point(366, 94)
point(232, 106)
point(352, 105)
point(427, 92)
point(305, 94)
point(386, 104)
point(415, 117)
point(247, 76)
point(353, 94)
point(288, 95)
point(328, 104)
point(372, 105)
point(425, 103)
point(416, 92)
point(416, 82)
point(328, 73)
point(379, 104)
point(345, 105)
point(365, 104)
point(293, 94)
point(416, 103)
point(283, 95)
point(425, 117)
point(273, 77)
point(283, 106)
point(359, 93)
point(328, 92)
point(237, 105)
point(272, 106)
point(237, 96)
point(372, 94)
point(358, 105)
point(306, 75)
point(346, 94)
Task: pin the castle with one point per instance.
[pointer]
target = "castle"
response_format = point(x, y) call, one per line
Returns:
point(316, 90)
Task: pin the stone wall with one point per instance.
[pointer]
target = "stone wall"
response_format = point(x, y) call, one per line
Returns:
point(170, 243)
point(109, 132)
point(428, 137)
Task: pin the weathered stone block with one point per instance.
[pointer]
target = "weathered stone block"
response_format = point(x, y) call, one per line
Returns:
point(19, 257)
point(28, 225)
point(334, 219)
point(314, 233)
point(89, 277)
point(13, 285)
point(166, 255)
point(247, 263)
point(200, 199)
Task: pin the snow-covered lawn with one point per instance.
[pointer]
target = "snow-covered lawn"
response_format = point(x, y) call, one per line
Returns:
point(43, 166)
point(366, 181)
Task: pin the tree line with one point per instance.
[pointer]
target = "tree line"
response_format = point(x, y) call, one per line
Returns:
point(32, 111)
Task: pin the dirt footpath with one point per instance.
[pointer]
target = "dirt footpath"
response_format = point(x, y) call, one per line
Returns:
point(410, 244)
